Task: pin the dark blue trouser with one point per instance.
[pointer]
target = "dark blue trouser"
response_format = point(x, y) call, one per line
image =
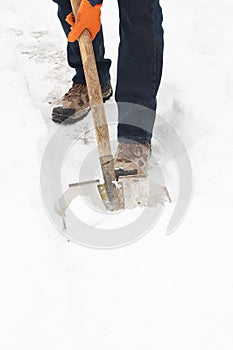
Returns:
point(140, 62)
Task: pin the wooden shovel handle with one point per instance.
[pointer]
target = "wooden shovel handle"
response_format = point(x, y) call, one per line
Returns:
point(93, 87)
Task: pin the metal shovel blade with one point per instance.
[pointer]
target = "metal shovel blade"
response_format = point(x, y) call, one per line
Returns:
point(142, 191)
point(101, 196)
point(73, 191)
point(132, 191)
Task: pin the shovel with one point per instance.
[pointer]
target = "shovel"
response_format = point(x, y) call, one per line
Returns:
point(117, 192)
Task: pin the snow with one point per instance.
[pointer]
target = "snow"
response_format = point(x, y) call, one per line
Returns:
point(162, 291)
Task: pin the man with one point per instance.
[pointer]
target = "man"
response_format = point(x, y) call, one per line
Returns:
point(139, 72)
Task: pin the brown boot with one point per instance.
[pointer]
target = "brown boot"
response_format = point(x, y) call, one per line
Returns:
point(132, 159)
point(75, 103)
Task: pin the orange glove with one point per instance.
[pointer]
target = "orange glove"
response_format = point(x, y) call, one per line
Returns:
point(88, 17)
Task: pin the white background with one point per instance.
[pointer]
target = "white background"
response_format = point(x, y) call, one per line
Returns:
point(163, 292)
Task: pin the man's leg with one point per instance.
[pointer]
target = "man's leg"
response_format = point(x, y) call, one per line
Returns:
point(73, 52)
point(139, 67)
point(75, 103)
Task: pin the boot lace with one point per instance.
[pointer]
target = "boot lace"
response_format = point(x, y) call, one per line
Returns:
point(76, 92)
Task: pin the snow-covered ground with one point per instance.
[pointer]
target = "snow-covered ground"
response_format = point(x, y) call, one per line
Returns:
point(163, 291)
